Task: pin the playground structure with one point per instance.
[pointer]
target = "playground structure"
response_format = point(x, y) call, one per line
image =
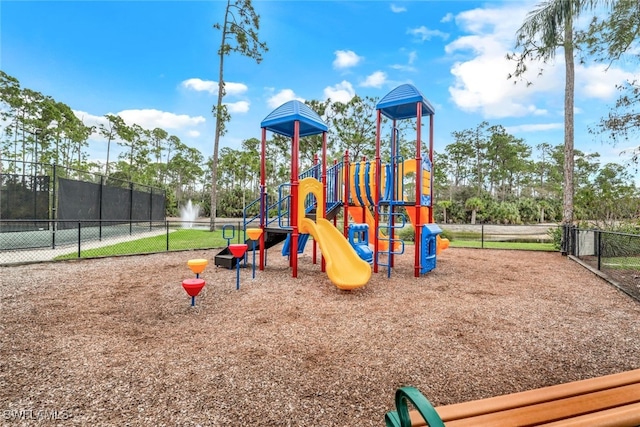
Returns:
point(371, 193)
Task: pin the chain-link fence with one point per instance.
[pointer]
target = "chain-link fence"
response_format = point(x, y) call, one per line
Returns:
point(493, 236)
point(89, 239)
point(615, 255)
point(52, 192)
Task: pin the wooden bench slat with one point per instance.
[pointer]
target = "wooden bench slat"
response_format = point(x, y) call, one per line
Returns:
point(555, 410)
point(546, 394)
point(623, 416)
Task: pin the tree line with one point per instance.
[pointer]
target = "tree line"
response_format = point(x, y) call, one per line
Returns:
point(38, 130)
point(549, 28)
point(485, 174)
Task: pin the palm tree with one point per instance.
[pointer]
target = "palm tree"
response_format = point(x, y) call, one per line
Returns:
point(474, 204)
point(444, 204)
point(546, 28)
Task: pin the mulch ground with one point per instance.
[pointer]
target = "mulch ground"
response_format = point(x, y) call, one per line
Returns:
point(115, 341)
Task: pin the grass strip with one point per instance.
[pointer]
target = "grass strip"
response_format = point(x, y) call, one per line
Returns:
point(503, 245)
point(181, 239)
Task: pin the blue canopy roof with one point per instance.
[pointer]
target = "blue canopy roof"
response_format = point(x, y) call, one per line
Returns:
point(282, 119)
point(400, 103)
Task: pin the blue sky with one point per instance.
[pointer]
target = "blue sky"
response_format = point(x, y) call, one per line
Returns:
point(155, 64)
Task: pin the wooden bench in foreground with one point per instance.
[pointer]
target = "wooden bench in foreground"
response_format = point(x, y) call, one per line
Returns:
point(609, 401)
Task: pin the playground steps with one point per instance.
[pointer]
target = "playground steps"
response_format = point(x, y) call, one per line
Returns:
point(611, 400)
point(272, 237)
point(302, 242)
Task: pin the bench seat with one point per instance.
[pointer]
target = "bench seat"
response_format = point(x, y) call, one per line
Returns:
point(612, 400)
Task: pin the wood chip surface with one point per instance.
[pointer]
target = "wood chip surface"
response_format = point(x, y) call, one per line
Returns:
point(115, 342)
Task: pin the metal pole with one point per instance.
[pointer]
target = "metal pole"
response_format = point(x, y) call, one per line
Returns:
point(100, 207)
point(376, 198)
point(418, 204)
point(253, 243)
point(237, 273)
point(54, 211)
point(79, 237)
point(293, 207)
point(151, 209)
point(599, 242)
point(130, 208)
point(263, 196)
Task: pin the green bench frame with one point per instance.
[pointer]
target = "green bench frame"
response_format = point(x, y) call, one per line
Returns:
point(608, 401)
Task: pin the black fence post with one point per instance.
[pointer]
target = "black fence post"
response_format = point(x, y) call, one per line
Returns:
point(130, 208)
point(167, 227)
point(482, 236)
point(79, 237)
point(35, 187)
point(150, 208)
point(100, 207)
point(599, 247)
point(54, 211)
point(564, 239)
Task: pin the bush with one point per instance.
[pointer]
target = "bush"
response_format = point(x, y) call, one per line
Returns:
point(620, 245)
point(446, 234)
point(556, 237)
point(407, 234)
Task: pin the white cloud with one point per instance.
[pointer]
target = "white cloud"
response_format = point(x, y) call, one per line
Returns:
point(447, 18)
point(480, 70)
point(377, 79)
point(397, 9)
point(541, 127)
point(346, 59)
point(342, 92)
point(481, 83)
point(200, 85)
point(193, 133)
point(402, 67)
point(596, 81)
point(148, 119)
point(409, 66)
point(210, 86)
point(232, 88)
point(424, 34)
point(89, 119)
point(237, 107)
point(281, 97)
point(151, 118)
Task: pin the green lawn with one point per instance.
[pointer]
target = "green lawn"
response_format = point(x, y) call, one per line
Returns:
point(621, 263)
point(185, 239)
point(180, 239)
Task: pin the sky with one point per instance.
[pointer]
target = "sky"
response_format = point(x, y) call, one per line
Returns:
point(155, 63)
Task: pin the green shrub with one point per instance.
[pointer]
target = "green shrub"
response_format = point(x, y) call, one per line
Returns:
point(556, 237)
point(407, 234)
point(446, 234)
